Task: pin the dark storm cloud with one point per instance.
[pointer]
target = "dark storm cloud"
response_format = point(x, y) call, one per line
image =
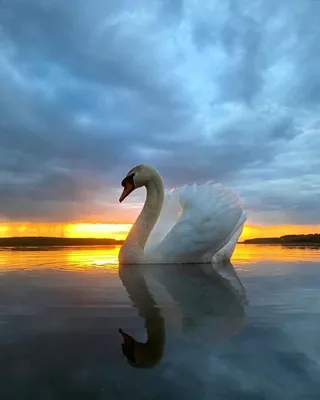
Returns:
point(90, 89)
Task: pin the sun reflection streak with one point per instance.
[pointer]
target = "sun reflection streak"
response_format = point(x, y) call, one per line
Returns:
point(105, 258)
point(94, 257)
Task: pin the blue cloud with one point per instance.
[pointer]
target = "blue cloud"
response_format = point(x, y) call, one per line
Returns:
point(90, 90)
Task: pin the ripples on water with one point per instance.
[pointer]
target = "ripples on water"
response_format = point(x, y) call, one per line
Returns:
point(253, 334)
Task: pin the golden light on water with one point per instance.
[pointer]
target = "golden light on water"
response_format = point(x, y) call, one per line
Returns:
point(68, 258)
point(96, 257)
point(106, 258)
point(252, 253)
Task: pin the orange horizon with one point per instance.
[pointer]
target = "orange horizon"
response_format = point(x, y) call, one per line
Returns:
point(120, 231)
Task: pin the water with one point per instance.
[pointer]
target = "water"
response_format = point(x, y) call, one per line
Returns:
point(253, 334)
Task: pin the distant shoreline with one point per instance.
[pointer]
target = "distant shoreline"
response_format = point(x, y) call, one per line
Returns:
point(287, 240)
point(46, 242)
point(27, 242)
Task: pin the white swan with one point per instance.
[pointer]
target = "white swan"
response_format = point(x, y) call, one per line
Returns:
point(190, 224)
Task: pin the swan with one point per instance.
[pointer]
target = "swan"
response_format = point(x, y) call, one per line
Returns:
point(189, 224)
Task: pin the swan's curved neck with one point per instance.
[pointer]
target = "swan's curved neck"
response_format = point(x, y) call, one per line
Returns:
point(140, 231)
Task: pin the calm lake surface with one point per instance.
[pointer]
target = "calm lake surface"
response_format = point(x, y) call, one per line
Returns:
point(247, 331)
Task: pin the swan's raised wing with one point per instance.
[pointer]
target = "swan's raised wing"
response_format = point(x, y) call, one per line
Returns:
point(210, 216)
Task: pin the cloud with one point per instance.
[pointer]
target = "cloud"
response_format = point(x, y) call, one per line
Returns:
point(89, 91)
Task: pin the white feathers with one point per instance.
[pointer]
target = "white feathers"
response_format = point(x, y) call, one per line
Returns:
point(197, 224)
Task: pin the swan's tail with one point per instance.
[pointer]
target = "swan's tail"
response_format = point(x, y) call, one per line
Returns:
point(225, 254)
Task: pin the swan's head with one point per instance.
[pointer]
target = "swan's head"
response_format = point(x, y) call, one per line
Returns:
point(137, 177)
point(128, 348)
point(140, 355)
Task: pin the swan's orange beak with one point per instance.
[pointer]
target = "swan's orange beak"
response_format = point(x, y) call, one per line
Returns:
point(126, 191)
point(128, 185)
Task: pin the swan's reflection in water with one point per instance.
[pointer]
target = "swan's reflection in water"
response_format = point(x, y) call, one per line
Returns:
point(210, 299)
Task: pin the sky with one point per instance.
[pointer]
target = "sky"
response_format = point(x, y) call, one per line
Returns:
point(227, 91)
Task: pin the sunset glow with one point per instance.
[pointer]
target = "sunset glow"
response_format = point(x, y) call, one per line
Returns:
point(260, 231)
point(114, 231)
point(81, 230)
point(120, 231)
